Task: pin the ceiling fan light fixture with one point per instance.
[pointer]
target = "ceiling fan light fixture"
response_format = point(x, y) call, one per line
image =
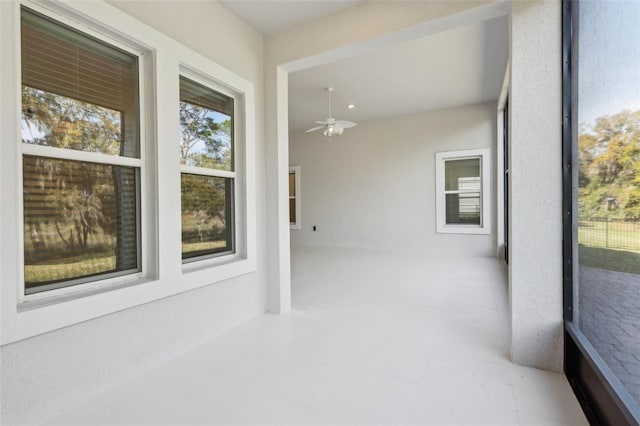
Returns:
point(332, 127)
point(330, 131)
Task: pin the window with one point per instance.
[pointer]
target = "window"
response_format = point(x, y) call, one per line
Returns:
point(92, 192)
point(601, 159)
point(505, 177)
point(81, 159)
point(294, 197)
point(462, 188)
point(207, 170)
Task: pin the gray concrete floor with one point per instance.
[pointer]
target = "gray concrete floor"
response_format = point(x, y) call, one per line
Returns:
point(609, 315)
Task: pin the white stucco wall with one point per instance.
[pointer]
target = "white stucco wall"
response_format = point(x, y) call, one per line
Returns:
point(374, 186)
point(48, 374)
point(535, 187)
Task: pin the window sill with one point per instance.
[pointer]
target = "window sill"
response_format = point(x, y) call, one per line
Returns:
point(67, 294)
point(462, 229)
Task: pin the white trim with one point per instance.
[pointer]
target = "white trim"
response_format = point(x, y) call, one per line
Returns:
point(163, 273)
point(485, 193)
point(298, 181)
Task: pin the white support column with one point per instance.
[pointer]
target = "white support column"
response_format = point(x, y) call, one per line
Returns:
point(279, 270)
point(535, 184)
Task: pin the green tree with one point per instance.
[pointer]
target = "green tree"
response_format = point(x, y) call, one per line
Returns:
point(609, 166)
point(74, 192)
point(58, 121)
point(198, 127)
point(203, 202)
point(195, 126)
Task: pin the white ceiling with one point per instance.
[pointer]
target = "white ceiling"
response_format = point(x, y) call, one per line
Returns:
point(459, 67)
point(273, 16)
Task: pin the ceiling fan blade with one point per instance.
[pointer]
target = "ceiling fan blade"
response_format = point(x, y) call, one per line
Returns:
point(345, 124)
point(314, 129)
point(322, 122)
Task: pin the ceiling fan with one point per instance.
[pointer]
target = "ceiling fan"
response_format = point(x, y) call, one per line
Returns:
point(331, 126)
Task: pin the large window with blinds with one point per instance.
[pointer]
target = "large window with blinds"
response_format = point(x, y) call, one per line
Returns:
point(207, 169)
point(128, 166)
point(81, 160)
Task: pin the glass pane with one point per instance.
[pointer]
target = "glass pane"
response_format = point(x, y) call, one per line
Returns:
point(80, 220)
point(292, 210)
point(206, 127)
point(292, 184)
point(207, 215)
point(54, 120)
point(608, 199)
point(463, 175)
point(77, 92)
point(463, 209)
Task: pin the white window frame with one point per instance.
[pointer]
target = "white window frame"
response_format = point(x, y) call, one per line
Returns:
point(297, 225)
point(146, 185)
point(163, 273)
point(484, 155)
point(195, 263)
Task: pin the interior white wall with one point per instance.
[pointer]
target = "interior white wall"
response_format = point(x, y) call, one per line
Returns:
point(535, 184)
point(48, 374)
point(355, 30)
point(374, 186)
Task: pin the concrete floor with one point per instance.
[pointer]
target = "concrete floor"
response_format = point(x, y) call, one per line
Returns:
point(374, 338)
point(610, 318)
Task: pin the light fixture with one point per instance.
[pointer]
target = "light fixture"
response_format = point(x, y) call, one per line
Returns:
point(331, 127)
point(351, 106)
point(332, 130)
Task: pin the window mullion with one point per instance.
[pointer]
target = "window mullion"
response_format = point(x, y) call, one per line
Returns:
point(207, 172)
point(89, 157)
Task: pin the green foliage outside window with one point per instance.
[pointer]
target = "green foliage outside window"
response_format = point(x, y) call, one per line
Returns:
point(609, 167)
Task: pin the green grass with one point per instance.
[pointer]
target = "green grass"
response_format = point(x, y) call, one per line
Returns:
point(614, 245)
point(204, 245)
point(90, 265)
point(64, 271)
point(609, 259)
point(613, 235)
point(97, 258)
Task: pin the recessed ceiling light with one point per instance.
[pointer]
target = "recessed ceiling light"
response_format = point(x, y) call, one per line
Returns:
point(351, 106)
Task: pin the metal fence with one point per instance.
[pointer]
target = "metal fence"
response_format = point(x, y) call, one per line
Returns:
point(605, 232)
